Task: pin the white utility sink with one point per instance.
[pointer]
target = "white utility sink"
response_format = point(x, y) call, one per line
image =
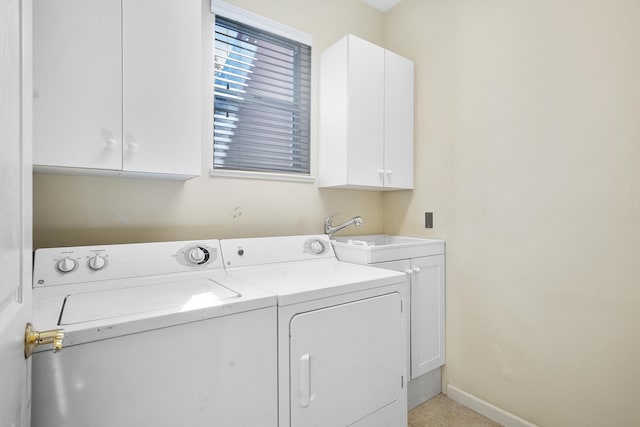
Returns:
point(372, 248)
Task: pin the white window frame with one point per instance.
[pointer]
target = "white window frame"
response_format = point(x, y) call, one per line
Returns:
point(243, 16)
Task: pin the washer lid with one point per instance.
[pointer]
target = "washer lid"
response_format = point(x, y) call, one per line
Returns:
point(183, 295)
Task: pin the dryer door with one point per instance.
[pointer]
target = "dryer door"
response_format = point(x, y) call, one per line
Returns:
point(346, 361)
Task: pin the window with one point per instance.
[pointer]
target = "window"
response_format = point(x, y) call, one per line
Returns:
point(261, 99)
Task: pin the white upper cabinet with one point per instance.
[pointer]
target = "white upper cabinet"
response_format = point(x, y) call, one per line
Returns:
point(398, 121)
point(77, 89)
point(366, 117)
point(117, 87)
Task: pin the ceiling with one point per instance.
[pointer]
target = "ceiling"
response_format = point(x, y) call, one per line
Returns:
point(382, 5)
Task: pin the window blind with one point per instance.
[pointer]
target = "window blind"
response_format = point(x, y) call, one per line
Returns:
point(262, 92)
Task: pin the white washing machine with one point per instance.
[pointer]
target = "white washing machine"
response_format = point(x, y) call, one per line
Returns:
point(342, 331)
point(155, 335)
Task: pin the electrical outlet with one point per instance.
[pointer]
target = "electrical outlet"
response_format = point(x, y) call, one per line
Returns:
point(428, 220)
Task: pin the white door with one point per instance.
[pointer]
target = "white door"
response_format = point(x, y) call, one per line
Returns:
point(161, 51)
point(366, 113)
point(398, 121)
point(427, 310)
point(77, 85)
point(346, 353)
point(427, 314)
point(15, 210)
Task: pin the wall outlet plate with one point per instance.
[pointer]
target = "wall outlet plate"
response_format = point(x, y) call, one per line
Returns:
point(428, 220)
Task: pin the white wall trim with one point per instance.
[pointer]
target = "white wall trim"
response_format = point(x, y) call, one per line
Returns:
point(490, 411)
point(229, 11)
point(268, 176)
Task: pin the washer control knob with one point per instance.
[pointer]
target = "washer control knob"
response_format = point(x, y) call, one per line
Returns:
point(66, 265)
point(317, 247)
point(196, 255)
point(97, 263)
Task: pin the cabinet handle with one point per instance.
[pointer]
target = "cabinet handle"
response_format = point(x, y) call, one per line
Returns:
point(389, 172)
point(112, 142)
point(409, 272)
point(381, 171)
point(133, 146)
point(417, 269)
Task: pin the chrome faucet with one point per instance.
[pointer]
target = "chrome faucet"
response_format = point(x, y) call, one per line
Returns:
point(330, 229)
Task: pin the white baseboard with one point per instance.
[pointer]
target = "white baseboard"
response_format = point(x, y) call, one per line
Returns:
point(490, 411)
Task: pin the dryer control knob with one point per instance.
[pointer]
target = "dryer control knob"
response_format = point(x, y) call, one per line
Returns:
point(196, 255)
point(97, 263)
point(317, 247)
point(66, 265)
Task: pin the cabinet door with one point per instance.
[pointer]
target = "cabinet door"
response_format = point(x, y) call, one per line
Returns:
point(398, 121)
point(427, 314)
point(346, 353)
point(77, 85)
point(403, 265)
point(161, 48)
point(366, 113)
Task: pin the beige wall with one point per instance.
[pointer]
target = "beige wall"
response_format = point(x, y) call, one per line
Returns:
point(76, 210)
point(527, 150)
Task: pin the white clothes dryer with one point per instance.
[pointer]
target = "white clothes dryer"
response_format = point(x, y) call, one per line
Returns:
point(156, 334)
point(342, 331)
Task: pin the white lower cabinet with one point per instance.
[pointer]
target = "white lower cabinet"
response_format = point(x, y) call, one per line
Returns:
point(117, 87)
point(427, 288)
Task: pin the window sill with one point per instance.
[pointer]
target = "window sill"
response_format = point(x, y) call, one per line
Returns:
point(265, 176)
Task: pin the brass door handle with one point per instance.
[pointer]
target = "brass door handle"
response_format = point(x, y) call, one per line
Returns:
point(33, 338)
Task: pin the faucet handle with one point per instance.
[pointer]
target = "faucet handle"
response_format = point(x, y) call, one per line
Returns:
point(328, 223)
